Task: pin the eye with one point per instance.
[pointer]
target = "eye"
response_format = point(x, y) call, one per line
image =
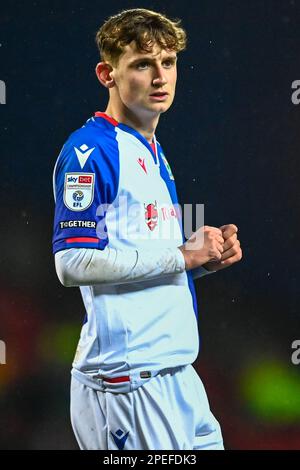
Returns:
point(142, 65)
point(168, 63)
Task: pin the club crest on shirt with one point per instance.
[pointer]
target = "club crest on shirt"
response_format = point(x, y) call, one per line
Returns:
point(79, 191)
point(151, 215)
point(167, 166)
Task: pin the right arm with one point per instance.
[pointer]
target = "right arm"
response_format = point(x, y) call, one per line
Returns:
point(87, 266)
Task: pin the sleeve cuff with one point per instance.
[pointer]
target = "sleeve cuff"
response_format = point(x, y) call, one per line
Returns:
point(180, 261)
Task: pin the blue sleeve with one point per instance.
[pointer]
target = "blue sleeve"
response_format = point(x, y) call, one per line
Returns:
point(85, 183)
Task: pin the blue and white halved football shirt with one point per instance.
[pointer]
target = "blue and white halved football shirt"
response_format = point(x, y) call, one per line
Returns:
point(112, 188)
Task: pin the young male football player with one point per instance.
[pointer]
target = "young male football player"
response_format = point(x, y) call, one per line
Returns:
point(118, 236)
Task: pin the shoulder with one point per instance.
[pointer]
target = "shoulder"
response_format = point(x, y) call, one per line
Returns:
point(93, 134)
point(89, 157)
point(93, 144)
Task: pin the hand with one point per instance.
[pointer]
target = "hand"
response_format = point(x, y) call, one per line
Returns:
point(206, 244)
point(232, 249)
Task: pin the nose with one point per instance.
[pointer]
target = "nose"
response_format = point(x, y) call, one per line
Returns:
point(159, 78)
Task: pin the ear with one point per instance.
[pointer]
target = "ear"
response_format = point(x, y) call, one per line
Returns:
point(104, 72)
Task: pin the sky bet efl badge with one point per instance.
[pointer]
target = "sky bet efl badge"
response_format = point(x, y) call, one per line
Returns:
point(79, 190)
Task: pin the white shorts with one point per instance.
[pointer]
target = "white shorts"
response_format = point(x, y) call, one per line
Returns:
point(169, 412)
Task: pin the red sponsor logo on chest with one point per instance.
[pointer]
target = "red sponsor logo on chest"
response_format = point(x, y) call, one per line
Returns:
point(151, 215)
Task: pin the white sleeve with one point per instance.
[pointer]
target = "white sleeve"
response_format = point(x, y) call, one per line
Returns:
point(200, 272)
point(88, 266)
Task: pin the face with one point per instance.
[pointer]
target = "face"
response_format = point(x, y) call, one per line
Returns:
point(145, 81)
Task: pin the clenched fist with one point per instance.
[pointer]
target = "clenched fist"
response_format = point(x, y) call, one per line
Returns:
point(232, 252)
point(205, 245)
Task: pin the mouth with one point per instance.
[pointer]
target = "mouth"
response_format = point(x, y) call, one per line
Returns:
point(159, 95)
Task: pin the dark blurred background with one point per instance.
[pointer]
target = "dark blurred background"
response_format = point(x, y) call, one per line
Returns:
point(232, 139)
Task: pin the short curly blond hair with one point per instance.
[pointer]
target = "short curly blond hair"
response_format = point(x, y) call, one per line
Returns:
point(145, 27)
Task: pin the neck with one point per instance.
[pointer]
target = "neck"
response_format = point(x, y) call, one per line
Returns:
point(144, 123)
